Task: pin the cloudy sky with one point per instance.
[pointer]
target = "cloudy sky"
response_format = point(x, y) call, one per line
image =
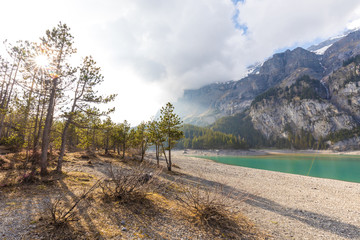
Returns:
point(151, 50)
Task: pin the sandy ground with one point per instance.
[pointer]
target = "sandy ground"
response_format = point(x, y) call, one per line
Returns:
point(286, 206)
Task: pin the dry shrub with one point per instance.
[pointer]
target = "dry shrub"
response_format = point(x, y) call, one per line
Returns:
point(12, 161)
point(129, 185)
point(28, 178)
point(215, 211)
point(208, 207)
point(4, 162)
point(62, 213)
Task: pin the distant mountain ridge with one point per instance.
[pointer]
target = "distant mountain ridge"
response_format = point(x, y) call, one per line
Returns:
point(337, 107)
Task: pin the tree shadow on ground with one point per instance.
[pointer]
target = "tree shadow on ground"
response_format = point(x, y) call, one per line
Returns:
point(27, 214)
point(83, 210)
point(140, 218)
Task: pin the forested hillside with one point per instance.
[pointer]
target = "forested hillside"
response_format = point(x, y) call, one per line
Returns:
point(206, 138)
point(241, 125)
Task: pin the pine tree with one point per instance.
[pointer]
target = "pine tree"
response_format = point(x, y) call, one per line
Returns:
point(84, 94)
point(155, 137)
point(58, 44)
point(170, 125)
point(107, 127)
point(141, 138)
point(123, 136)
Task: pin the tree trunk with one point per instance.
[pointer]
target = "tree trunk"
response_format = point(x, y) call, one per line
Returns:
point(143, 150)
point(36, 125)
point(37, 133)
point(3, 82)
point(157, 146)
point(163, 149)
point(3, 101)
point(7, 132)
point(107, 145)
point(94, 140)
point(27, 111)
point(142, 156)
point(124, 146)
point(36, 141)
point(62, 148)
point(169, 163)
point(46, 132)
point(169, 145)
point(5, 108)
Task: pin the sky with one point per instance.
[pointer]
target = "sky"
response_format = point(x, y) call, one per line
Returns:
point(150, 51)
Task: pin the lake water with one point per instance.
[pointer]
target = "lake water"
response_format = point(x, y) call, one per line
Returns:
point(340, 167)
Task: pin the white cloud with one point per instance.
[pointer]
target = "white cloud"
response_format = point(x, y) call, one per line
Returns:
point(277, 24)
point(151, 50)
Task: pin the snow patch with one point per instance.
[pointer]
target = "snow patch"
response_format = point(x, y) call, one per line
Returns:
point(322, 50)
point(339, 36)
point(221, 83)
point(253, 69)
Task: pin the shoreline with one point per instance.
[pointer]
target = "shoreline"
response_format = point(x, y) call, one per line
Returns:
point(287, 206)
point(261, 152)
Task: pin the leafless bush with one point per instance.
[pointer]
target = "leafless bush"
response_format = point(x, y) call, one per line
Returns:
point(207, 206)
point(127, 185)
point(214, 210)
point(5, 163)
point(61, 214)
point(29, 177)
point(3, 160)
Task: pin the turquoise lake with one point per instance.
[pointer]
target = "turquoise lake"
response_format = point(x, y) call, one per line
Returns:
point(340, 167)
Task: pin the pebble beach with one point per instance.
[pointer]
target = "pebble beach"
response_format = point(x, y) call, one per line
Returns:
point(286, 206)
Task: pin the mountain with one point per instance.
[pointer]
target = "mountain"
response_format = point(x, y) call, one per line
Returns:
point(315, 92)
point(203, 106)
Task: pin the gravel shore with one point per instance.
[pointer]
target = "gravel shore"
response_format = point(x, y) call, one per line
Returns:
point(284, 205)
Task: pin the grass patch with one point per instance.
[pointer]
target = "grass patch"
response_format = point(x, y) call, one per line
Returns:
point(81, 178)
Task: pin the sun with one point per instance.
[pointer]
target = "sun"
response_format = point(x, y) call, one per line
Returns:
point(41, 61)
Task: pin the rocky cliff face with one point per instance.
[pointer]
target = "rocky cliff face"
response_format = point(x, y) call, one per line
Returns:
point(315, 113)
point(318, 117)
point(344, 87)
